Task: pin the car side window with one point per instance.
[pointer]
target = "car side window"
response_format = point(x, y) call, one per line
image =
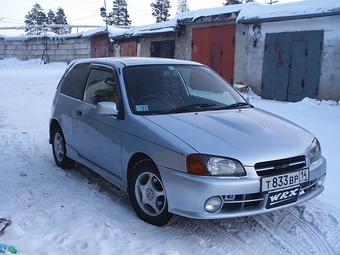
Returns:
point(101, 86)
point(73, 83)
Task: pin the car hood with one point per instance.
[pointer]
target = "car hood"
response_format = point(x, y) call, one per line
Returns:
point(249, 135)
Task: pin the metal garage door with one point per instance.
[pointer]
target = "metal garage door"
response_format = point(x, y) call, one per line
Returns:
point(101, 46)
point(215, 47)
point(291, 65)
point(164, 49)
point(128, 49)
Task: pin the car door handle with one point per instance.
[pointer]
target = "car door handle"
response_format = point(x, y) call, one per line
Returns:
point(79, 113)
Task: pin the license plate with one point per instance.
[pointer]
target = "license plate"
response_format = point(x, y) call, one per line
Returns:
point(282, 197)
point(284, 180)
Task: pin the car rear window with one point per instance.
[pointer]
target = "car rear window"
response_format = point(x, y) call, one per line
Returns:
point(74, 82)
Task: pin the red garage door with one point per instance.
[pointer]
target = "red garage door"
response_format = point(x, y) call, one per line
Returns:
point(215, 47)
point(128, 49)
point(101, 46)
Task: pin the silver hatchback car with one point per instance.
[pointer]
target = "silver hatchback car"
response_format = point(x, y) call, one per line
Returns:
point(180, 140)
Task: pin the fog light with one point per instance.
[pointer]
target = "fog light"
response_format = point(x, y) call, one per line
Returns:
point(321, 180)
point(213, 204)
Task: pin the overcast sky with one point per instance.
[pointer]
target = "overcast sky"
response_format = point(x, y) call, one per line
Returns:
point(86, 12)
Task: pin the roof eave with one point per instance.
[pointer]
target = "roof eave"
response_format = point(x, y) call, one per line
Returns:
point(285, 18)
point(209, 18)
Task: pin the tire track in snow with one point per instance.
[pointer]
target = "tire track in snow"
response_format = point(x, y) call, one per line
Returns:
point(279, 232)
point(325, 222)
point(295, 234)
point(317, 239)
point(225, 234)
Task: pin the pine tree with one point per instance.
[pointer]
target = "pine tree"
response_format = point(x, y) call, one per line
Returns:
point(182, 6)
point(35, 17)
point(231, 2)
point(50, 19)
point(60, 19)
point(119, 15)
point(160, 10)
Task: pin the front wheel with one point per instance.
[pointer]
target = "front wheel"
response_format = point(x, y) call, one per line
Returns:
point(59, 150)
point(147, 194)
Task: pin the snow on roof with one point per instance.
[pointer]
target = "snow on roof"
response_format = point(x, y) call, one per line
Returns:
point(303, 9)
point(50, 35)
point(102, 30)
point(161, 27)
point(247, 13)
point(194, 15)
point(171, 25)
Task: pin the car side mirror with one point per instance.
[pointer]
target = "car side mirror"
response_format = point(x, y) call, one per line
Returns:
point(107, 108)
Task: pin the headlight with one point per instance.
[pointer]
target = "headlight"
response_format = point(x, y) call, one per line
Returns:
point(214, 166)
point(315, 150)
point(224, 167)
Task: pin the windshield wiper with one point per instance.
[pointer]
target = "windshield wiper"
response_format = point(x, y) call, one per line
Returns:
point(233, 106)
point(190, 107)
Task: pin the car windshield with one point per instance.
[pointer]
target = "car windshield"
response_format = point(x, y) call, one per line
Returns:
point(165, 89)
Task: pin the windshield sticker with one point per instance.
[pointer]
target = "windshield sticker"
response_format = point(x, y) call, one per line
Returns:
point(171, 68)
point(142, 108)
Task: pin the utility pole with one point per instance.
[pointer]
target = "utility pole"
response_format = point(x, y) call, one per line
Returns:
point(103, 13)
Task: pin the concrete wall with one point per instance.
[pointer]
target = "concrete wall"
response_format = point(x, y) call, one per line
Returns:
point(58, 50)
point(249, 59)
point(183, 44)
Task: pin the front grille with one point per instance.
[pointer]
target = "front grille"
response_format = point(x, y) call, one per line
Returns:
point(258, 200)
point(243, 201)
point(254, 201)
point(281, 166)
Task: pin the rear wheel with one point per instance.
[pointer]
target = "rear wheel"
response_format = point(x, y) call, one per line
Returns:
point(59, 149)
point(147, 194)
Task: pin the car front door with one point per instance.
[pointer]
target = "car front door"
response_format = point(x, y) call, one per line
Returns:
point(98, 137)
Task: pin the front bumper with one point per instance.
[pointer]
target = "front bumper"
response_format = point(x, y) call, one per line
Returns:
point(187, 193)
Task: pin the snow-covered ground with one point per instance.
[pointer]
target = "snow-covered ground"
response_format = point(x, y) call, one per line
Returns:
point(76, 212)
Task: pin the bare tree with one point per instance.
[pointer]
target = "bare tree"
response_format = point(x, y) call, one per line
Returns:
point(182, 6)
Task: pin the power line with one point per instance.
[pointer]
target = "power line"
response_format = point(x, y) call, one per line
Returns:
point(70, 5)
point(148, 14)
point(11, 19)
point(12, 22)
point(84, 17)
point(16, 21)
point(85, 5)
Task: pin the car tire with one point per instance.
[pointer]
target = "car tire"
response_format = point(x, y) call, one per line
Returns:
point(59, 149)
point(147, 194)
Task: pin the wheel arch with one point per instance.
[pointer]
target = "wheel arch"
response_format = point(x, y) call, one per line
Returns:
point(146, 190)
point(134, 160)
point(53, 124)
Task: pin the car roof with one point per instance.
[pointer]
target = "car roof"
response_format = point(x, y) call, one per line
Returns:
point(134, 61)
